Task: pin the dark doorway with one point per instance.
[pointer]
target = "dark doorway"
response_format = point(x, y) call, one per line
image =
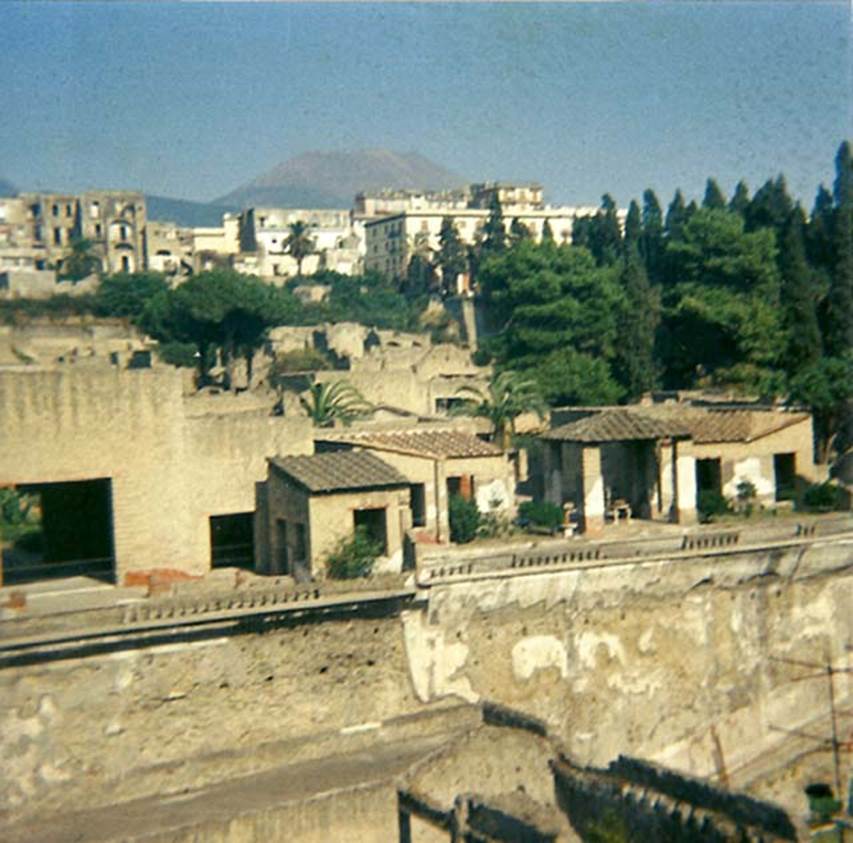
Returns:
point(373, 520)
point(709, 476)
point(462, 486)
point(70, 533)
point(232, 540)
point(417, 503)
point(785, 472)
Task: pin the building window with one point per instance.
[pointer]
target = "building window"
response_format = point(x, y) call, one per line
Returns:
point(125, 263)
point(97, 229)
point(95, 210)
point(57, 236)
point(55, 210)
point(123, 232)
point(417, 492)
point(68, 211)
point(785, 473)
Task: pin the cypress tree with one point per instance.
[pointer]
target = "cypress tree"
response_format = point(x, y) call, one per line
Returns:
point(770, 207)
point(798, 297)
point(651, 242)
point(606, 233)
point(740, 199)
point(494, 231)
point(676, 217)
point(451, 253)
point(819, 246)
point(547, 232)
point(838, 325)
point(582, 232)
point(518, 231)
point(633, 227)
point(639, 322)
point(714, 197)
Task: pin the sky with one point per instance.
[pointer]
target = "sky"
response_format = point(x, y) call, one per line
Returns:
point(191, 100)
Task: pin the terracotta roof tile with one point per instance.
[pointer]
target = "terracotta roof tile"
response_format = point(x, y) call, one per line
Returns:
point(618, 425)
point(434, 444)
point(339, 471)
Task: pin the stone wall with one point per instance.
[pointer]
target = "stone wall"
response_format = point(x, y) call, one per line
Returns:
point(109, 728)
point(668, 659)
point(169, 470)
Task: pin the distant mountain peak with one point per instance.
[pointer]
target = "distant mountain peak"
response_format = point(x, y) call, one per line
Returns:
point(331, 178)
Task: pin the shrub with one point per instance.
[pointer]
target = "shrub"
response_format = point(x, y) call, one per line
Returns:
point(178, 354)
point(541, 514)
point(823, 497)
point(300, 360)
point(712, 504)
point(353, 557)
point(464, 519)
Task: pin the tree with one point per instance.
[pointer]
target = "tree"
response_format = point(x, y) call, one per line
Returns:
point(740, 199)
point(651, 240)
point(80, 261)
point(797, 297)
point(722, 312)
point(605, 241)
point(299, 244)
point(451, 254)
point(676, 216)
point(494, 231)
point(838, 318)
point(340, 401)
point(222, 313)
point(770, 207)
point(464, 517)
point(714, 197)
point(569, 377)
point(640, 319)
point(420, 271)
point(826, 386)
point(518, 232)
point(547, 232)
point(633, 228)
point(126, 295)
point(508, 396)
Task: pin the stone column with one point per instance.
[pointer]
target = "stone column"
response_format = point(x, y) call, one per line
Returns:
point(668, 481)
point(685, 470)
point(591, 489)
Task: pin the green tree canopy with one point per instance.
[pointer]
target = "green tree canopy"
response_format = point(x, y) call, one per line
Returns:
point(452, 259)
point(340, 401)
point(714, 197)
point(80, 261)
point(126, 295)
point(299, 243)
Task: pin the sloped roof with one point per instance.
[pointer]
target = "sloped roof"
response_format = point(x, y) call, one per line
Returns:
point(339, 471)
point(433, 444)
point(618, 425)
point(703, 425)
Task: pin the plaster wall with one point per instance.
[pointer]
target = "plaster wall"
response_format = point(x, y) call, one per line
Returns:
point(649, 658)
point(170, 471)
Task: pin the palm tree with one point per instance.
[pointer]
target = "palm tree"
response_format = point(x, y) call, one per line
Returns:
point(506, 398)
point(327, 403)
point(299, 243)
point(80, 261)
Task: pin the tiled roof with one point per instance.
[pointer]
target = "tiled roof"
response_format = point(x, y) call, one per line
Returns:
point(709, 425)
point(703, 425)
point(618, 425)
point(339, 471)
point(435, 444)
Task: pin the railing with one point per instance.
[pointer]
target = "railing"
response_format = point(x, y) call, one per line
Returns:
point(571, 552)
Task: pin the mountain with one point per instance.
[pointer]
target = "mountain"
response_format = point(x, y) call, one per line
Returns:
point(331, 179)
point(7, 188)
point(185, 212)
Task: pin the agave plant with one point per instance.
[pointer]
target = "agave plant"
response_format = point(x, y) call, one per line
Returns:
point(327, 403)
point(508, 395)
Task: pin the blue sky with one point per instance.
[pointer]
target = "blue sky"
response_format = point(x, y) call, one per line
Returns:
point(191, 100)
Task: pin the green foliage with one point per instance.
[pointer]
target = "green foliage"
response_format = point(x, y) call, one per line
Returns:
point(494, 231)
point(571, 377)
point(299, 244)
point(299, 360)
point(126, 294)
point(541, 514)
point(609, 828)
point(554, 302)
point(340, 401)
point(15, 507)
point(55, 308)
point(19, 522)
point(464, 519)
point(712, 504)
point(714, 197)
point(369, 299)
point(507, 397)
point(823, 497)
point(353, 557)
point(181, 354)
point(826, 387)
point(81, 260)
